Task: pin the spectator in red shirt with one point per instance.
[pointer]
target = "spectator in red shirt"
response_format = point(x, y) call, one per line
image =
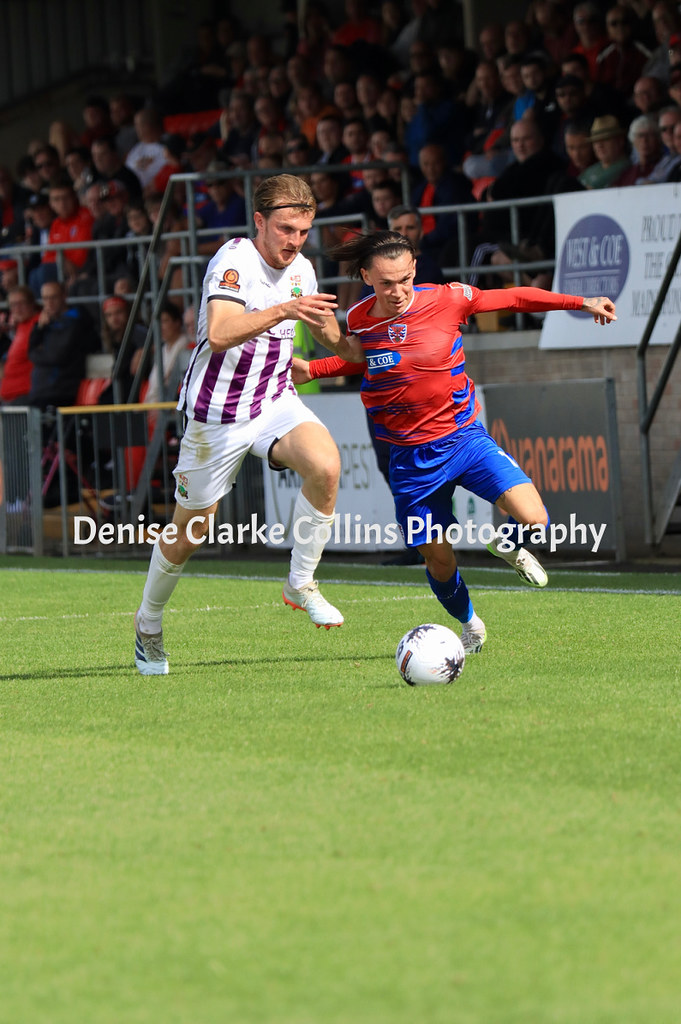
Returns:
point(588, 22)
point(359, 26)
point(622, 61)
point(72, 223)
point(16, 372)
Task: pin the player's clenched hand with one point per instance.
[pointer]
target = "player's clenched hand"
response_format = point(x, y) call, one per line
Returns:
point(311, 309)
point(300, 371)
point(602, 309)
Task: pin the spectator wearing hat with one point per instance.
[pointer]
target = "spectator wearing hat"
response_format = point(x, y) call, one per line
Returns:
point(17, 368)
point(609, 143)
point(147, 156)
point(39, 216)
point(72, 223)
point(623, 60)
point(109, 166)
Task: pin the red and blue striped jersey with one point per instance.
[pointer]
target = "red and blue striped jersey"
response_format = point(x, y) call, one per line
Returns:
point(415, 384)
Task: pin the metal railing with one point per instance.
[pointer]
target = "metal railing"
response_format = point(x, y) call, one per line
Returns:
point(21, 504)
point(656, 518)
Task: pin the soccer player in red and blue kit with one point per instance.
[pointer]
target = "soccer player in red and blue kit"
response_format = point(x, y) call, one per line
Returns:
point(406, 340)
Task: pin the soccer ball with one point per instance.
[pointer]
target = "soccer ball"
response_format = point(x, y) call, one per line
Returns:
point(430, 654)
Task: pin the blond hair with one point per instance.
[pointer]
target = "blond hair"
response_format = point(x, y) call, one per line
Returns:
point(281, 191)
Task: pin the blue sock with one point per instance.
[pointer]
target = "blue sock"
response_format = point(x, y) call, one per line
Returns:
point(513, 531)
point(453, 596)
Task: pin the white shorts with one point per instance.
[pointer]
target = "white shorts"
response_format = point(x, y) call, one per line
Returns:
point(211, 453)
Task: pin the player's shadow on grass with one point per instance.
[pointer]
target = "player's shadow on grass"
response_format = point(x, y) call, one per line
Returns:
point(178, 667)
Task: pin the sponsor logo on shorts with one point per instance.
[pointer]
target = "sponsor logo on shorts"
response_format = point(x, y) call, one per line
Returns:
point(230, 279)
point(397, 332)
point(380, 362)
point(183, 486)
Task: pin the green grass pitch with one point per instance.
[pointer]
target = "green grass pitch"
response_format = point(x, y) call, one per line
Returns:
point(282, 832)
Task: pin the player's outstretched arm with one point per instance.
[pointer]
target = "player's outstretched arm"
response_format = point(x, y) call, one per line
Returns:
point(602, 309)
point(230, 325)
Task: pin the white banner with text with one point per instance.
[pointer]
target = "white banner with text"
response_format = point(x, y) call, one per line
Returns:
point(615, 242)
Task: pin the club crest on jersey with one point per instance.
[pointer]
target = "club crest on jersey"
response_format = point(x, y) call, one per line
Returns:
point(296, 290)
point(397, 332)
point(230, 279)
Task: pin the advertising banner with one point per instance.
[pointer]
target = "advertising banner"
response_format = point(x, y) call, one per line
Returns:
point(564, 436)
point(615, 242)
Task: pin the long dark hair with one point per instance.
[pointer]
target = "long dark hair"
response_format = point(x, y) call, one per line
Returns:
point(359, 252)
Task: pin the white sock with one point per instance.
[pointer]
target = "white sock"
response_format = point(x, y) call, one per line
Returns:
point(161, 581)
point(306, 554)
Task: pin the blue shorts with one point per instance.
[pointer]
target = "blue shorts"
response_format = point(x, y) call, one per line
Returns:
point(423, 477)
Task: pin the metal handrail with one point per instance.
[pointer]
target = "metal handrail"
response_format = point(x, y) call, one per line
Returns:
point(655, 526)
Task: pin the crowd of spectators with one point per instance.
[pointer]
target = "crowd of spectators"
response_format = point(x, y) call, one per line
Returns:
point(563, 97)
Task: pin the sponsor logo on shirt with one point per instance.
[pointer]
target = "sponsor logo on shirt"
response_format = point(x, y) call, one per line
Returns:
point(380, 362)
point(397, 332)
point(465, 288)
point(230, 279)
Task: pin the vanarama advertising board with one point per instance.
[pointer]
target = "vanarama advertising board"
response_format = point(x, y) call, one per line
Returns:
point(615, 242)
point(564, 436)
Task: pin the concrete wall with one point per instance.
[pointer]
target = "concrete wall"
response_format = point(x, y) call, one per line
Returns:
point(510, 358)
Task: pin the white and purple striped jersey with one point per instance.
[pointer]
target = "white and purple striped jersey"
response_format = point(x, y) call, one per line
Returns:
point(236, 385)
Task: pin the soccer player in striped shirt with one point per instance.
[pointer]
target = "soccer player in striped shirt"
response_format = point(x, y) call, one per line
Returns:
point(407, 342)
point(237, 397)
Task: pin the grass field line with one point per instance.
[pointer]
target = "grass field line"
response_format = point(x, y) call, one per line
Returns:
point(503, 588)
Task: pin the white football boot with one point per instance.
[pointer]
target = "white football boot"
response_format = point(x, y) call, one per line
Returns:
point(150, 658)
point(529, 568)
point(309, 599)
point(473, 635)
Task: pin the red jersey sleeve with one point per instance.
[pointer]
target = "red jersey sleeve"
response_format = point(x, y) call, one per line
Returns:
point(522, 300)
point(334, 366)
